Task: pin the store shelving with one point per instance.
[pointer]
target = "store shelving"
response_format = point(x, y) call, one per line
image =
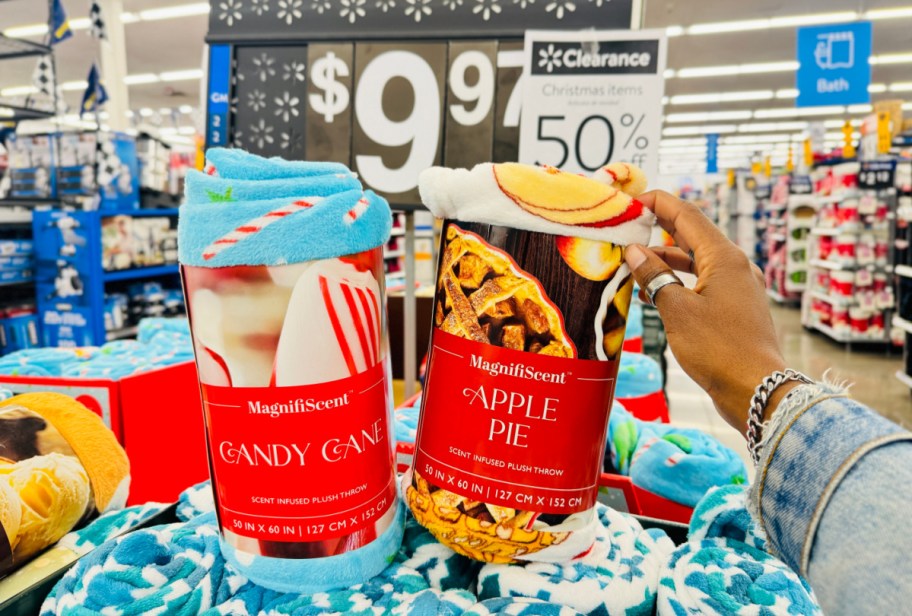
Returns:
point(850, 298)
point(141, 272)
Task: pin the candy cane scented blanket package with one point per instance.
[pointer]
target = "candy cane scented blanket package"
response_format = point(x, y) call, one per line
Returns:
point(283, 273)
point(529, 319)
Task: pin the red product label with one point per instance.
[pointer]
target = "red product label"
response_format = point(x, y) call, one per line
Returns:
point(514, 429)
point(302, 463)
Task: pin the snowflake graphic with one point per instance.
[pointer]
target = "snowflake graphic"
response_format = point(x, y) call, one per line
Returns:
point(294, 70)
point(486, 8)
point(289, 10)
point(260, 7)
point(261, 134)
point(386, 5)
point(320, 6)
point(560, 7)
point(599, 3)
point(524, 3)
point(352, 10)
point(291, 140)
point(230, 11)
point(233, 105)
point(550, 58)
point(238, 139)
point(264, 69)
point(287, 106)
point(418, 8)
point(452, 4)
point(256, 100)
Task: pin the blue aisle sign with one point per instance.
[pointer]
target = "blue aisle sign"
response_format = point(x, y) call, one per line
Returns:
point(217, 99)
point(712, 153)
point(835, 64)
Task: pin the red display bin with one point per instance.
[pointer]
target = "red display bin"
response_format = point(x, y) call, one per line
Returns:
point(651, 407)
point(156, 415)
point(633, 345)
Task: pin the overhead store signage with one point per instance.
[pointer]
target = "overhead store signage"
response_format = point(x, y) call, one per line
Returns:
point(591, 98)
point(712, 153)
point(218, 95)
point(835, 64)
point(391, 88)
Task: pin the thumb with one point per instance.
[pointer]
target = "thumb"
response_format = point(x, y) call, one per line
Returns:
point(645, 266)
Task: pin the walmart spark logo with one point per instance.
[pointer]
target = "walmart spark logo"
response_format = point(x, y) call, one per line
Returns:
point(550, 58)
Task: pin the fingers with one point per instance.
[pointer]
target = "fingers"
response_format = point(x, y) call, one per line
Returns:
point(691, 229)
point(646, 266)
point(676, 258)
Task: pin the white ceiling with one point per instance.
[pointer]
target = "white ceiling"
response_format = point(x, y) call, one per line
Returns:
point(177, 44)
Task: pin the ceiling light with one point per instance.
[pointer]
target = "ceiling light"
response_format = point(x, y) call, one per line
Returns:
point(68, 86)
point(140, 78)
point(901, 86)
point(669, 73)
point(892, 58)
point(164, 110)
point(836, 123)
point(709, 116)
point(765, 127)
point(877, 88)
point(185, 109)
point(738, 69)
point(859, 109)
point(129, 18)
point(813, 19)
point(26, 31)
point(193, 73)
point(907, 106)
point(729, 26)
point(893, 13)
point(146, 112)
point(757, 139)
point(6, 112)
point(722, 97)
point(18, 91)
point(699, 130)
point(671, 31)
point(180, 10)
point(186, 130)
point(679, 142)
point(80, 23)
point(787, 93)
point(790, 112)
point(665, 100)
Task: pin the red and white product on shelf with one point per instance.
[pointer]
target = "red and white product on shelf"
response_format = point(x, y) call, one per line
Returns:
point(845, 247)
point(840, 320)
point(293, 370)
point(842, 283)
point(859, 319)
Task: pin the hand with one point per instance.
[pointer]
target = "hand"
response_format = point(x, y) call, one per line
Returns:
point(721, 332)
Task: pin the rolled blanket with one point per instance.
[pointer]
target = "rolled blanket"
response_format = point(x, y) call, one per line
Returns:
point(724, 576)
point(443, 568)
point(282, 267)
point(519, 606)
point(406, 419)
point(680, 464)
point(638, 376)
point(723, 514)
point(634, 320)
point(618, 576)
point(179, 569)
point(174, 569)
point(150, 326)
point(42, 362)
point(530, 310)
point(195, 501)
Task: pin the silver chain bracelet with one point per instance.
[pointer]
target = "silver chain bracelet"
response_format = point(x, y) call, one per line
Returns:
point(759, 402)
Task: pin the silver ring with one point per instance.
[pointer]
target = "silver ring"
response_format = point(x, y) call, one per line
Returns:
point(662, 280)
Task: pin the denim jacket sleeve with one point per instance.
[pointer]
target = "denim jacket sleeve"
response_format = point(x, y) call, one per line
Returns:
point(834, 495)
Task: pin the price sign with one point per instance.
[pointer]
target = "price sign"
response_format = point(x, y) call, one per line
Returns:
point(591, 98)
point(398, 118)
point(471, 78)
point(329, 109)
point(508, 103)
point(877, 174)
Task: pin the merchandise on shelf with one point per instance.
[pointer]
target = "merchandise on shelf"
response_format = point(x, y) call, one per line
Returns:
point(850, 298)
point(18, 328)
point(790, 217)
point(31, 166)
point(83, 258)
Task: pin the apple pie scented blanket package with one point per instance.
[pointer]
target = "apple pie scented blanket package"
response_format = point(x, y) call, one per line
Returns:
point(529, 317)
point(283, 275)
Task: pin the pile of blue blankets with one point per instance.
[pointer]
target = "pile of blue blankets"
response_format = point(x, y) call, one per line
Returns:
point(178, 569)
point(160, 342)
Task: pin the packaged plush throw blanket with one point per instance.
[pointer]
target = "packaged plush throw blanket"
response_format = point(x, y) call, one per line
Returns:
point(529, 318)
point(283, 273)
